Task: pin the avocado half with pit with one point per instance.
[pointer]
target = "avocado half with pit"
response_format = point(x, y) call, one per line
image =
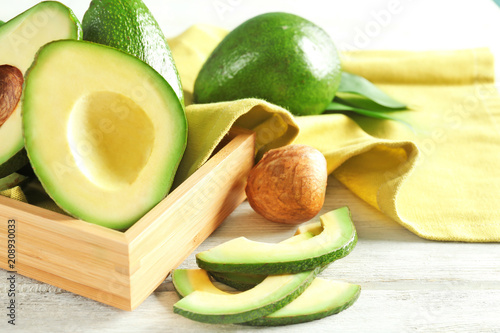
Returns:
point(20, 39)
point(104, 131)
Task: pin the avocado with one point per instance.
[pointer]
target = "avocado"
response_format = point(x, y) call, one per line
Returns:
point(242, 281)
point(321, 299)
point(279, 57)
point(186, 281)
point(1, 23)
point(20, 39)
point(128, 25)
point(242, 255)
point(103, 130)
point(211, 305)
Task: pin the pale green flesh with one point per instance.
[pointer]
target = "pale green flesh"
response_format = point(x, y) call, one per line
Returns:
point(11, 180)
point(315, 228)
point(337, 231)
point(241, 281)
point(20, 39)
point(321, 296)
point(272, 289)
point(187, 281)
point(105, 146)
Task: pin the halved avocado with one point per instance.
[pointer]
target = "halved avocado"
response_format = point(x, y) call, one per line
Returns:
point(20, 39)
point(242, 255)
point(216, 306)
point(103, 130)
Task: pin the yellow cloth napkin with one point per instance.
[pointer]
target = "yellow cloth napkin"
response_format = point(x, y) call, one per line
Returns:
point(15, 193)
point(440, 178)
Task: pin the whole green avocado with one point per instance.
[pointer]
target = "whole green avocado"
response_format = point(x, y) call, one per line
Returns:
point(279, 57)
point(129, 26)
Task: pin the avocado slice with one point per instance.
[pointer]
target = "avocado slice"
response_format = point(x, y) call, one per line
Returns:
point(218, 307)
point(242, 281)
point(103, 130)
point(20, 39)
point(129, 26)
point(321, 299)
point(279, 57)
point(242, 255)
point(12, 180)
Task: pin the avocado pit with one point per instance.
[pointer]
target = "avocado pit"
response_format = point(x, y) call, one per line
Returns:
point(11, 88)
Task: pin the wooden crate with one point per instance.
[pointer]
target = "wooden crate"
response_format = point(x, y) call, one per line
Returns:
point(123, 268)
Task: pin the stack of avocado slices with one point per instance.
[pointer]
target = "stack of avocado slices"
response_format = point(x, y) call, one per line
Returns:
point(278, 283)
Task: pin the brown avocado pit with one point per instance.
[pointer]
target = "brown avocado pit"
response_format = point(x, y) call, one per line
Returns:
point(11, 88)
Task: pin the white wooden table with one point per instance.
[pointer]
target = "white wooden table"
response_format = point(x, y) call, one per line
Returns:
point(408, 284)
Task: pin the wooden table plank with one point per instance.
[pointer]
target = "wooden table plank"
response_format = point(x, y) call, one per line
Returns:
point(408, 284)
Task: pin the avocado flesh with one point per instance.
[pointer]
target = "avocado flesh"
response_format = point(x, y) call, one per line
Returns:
point(242, 281)
point(315, 228)
point(20, 39)
point(224, 308)
point(321, 299)
point(130, 27)
point(242, 255)
point(187, 281)
point(12, 180)
point(279, 57)
point(103, 130)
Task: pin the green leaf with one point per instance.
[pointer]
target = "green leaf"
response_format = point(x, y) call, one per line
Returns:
point(357, 85)
point(335, 106)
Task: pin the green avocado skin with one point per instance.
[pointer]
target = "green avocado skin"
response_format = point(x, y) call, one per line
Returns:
point(279, 57)
point(238, 281)
point(129, 26)
point(14, 163)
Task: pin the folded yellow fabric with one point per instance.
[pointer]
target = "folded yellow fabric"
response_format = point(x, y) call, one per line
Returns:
point(440, 178)
point(15, 193)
